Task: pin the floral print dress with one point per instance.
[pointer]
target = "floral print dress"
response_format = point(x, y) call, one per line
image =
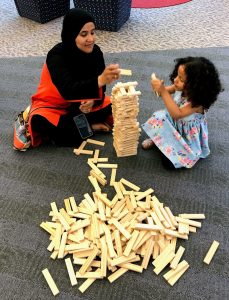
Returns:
point(182, 141)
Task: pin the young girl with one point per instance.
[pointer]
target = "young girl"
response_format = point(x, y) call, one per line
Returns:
point(180, 131)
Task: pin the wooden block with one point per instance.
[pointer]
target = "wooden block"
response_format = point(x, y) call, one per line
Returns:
point(183, 228)
point(132, 267)
point(51, 246)
point(175, 278)
point(189, 222)
point(171, 216)
point(156, 220)
point(122, 259)
point(125, 72)
point(118, 205)
point(100, 179)
point(109, 166)
point(156, 250)
point(108, 236)
point(88, 261)
point(83, 151)
point(94, 167)
point(54, 208)
point(81, 147)
point(144, 194)
point(73, 204)
point(67, 205)
point(162, 264)
point(62, 245)
point(66, 216)
point(86, 284)
point(103, 257)
point(94, 274)
point(57, 237)
point(104, 199)
point(121, 228)
point(158, 212)
point(101, 211)
point(79, 224)
point(175, 234)
point(117, 274)
point(47, 228)
point(118, 242)
point(211, 252)
point(81, 261)
point(96, 156)
point(130, 185)
point(118, 191)
point(177, 257)
point(192, 216)
point(163, 254)
point(142, 226)
point(54, 254)
point(90, 201)
point(71, 271)
point(95, 142)
point(50, 281)
point(167, 222)
point(63, 221)
point(113, 175)
point(175, 271)
point(149, 251)
point(130, 243)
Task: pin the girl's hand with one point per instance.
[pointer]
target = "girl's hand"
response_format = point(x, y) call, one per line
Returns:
point(110, 74)
point(158, 85)
point(86, 106)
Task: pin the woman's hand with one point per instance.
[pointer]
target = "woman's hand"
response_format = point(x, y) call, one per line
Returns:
point(110, 74)
point(86, 106)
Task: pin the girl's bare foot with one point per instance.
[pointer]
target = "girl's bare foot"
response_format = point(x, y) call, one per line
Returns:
point(100, 127)
point(147, 144)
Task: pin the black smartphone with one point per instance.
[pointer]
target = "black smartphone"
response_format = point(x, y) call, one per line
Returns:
point(83, 126)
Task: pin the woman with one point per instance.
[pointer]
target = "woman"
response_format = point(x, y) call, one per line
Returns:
point(73, 81)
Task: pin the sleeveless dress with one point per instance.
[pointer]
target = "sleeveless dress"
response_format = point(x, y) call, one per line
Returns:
point(182, 141)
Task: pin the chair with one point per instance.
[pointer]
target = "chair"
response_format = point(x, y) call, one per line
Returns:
point(42, 11)
point(109, 15)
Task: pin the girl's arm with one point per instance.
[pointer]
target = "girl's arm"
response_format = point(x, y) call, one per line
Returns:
point(175, 111)
point(170, 88)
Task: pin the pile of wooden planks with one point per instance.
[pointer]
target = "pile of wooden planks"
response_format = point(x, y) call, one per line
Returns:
point(125, 108)
point(108, 237)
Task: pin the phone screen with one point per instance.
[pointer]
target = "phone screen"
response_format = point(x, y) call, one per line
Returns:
point(83, 126)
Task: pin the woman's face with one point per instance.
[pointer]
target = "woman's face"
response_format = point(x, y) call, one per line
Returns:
point(85, 40)
point(179, 81)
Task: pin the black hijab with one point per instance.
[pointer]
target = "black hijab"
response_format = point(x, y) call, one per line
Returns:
point(73, 22)
point(73, 71)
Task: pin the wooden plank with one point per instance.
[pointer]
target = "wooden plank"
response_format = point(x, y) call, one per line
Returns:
point(52, 285)
point(211, 252)
point(71, 271)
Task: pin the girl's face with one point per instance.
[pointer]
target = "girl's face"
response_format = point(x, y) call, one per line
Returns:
point(85, 40)
point(180, 80)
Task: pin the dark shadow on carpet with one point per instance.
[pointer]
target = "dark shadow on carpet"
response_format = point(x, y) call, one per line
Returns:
point(30, 181)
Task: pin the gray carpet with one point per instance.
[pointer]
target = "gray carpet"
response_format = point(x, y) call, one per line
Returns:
point(30, 181)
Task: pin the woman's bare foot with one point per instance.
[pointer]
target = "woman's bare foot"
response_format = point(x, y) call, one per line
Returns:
point(100, 127)
point(147, 144)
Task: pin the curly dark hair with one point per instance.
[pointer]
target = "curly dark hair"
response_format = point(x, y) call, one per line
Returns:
point(202, 84)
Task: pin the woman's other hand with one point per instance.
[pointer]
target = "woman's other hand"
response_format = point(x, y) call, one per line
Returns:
point(110, 74)
point(86, 106)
